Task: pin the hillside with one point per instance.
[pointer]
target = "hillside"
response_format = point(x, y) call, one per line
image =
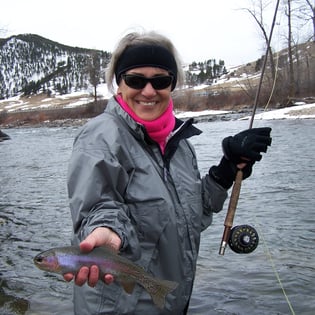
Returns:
point(44, 80)
point(30, 64)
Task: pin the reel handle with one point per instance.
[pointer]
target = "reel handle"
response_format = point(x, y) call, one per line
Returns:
point(228, 223)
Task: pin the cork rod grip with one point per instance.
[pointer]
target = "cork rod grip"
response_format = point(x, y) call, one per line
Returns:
point(228, 223)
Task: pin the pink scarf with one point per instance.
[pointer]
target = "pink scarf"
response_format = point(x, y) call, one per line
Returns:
point(158, 129)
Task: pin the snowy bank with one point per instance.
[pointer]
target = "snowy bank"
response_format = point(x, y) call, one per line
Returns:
point(189, 114)
point(293, 112)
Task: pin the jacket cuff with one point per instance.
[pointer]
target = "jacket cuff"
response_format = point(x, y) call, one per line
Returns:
point(224, 173)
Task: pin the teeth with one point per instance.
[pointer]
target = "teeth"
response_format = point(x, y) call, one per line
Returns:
point(147, 103)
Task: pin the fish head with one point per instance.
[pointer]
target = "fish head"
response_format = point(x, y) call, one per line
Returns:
point(47, 261)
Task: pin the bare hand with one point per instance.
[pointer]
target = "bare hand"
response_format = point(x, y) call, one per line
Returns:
point(101, 236)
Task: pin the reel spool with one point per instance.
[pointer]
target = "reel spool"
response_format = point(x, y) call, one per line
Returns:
point(243, 239)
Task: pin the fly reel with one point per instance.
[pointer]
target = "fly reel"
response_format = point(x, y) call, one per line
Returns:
point(243, 239)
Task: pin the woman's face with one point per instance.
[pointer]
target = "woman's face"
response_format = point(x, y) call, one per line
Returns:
point(147, 103)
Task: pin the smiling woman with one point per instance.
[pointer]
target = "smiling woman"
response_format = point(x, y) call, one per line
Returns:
point(146, 70)
point(134, 184)
point(148, 103)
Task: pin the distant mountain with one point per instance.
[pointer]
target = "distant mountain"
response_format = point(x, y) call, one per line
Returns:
point(30, 64)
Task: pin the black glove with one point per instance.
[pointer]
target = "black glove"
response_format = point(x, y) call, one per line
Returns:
point(224, 173)
point(247, 145)
point(244, 147)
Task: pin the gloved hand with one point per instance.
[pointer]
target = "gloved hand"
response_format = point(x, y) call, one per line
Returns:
point(224, 173)
point(244, 147)
point(247, 145)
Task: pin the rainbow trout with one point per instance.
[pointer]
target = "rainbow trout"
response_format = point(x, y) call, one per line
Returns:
point(70, 259)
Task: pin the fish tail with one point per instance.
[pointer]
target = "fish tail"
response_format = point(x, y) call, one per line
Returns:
point(159, 289)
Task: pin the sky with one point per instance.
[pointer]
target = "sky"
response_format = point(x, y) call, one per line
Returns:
point(200, 29)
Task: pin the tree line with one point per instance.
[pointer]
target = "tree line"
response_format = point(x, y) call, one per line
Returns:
point(291, 74)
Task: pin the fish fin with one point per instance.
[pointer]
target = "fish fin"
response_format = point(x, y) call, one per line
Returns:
point(160, 290)
point(128, 286)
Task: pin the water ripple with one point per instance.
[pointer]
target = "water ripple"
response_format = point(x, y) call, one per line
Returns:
point(278, 200)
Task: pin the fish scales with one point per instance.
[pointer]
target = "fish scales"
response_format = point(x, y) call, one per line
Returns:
point(70, 259)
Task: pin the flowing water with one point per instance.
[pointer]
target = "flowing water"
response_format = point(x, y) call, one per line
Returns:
point(278, 200)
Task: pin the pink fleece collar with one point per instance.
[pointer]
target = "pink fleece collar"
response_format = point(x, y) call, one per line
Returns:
point(158, 129)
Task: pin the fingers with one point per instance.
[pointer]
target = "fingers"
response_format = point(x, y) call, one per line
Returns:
point(82, 276)
point(247, 144)
point(87, 245)
point(263, 140)
point(260, 147)
point(108, 279)
point(93, 276)
point(88, 275)
point(91, 241)
point(253, 156)
point(101, 236)
point(264, 131)
point(255, 145)
point(68, 276)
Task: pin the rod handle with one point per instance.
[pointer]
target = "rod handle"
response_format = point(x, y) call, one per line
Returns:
point(228, 223)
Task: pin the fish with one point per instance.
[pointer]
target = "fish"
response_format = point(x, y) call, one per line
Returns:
point(70, 259)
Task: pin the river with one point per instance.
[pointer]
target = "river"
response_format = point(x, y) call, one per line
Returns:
point(278, 278)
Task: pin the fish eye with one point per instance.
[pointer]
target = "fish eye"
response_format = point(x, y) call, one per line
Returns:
point(39, 259)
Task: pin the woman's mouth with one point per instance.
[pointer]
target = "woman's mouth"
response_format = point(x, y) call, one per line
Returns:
point(143, 103)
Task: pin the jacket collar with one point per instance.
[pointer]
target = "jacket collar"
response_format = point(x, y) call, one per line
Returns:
point(182, 129)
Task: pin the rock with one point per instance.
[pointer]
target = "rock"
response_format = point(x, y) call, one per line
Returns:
point(4, 136)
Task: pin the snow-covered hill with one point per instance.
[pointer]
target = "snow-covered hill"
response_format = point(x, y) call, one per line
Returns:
point(31, 64)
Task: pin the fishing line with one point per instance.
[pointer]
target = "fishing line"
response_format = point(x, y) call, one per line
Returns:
point(276, 76)
point(273, 87)
point(273, 84)
point(266, 248)
point(268, 253)
point(264, 66)
point(244, 235)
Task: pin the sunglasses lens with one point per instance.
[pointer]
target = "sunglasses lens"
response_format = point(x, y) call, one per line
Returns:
point(135, 81)
point(138, 82)
point(160, 83)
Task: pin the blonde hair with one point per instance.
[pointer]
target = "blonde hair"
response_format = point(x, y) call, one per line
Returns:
point(144, 38)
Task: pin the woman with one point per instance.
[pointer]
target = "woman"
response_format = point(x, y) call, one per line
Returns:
point(134, 183)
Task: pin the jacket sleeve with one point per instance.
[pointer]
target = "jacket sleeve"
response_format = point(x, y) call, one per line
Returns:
point(213, 196)
point(96, 183)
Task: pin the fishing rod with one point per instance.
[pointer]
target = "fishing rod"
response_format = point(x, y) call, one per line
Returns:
point(243, 239)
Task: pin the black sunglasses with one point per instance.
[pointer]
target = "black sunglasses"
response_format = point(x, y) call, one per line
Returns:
point(138, 82)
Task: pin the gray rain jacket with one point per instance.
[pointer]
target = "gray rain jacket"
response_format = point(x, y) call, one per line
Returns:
point(157, 204)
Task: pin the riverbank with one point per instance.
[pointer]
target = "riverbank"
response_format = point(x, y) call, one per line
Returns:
point(303, 111)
